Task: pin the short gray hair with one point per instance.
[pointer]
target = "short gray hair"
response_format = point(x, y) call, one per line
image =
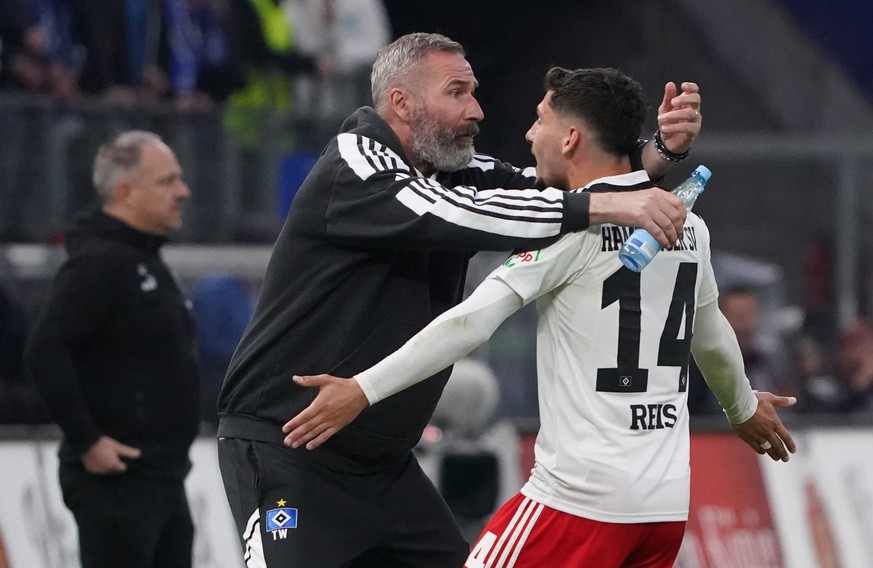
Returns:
point(117, 158)
point(396, 62)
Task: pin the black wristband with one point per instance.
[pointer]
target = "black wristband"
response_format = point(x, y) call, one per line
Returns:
point(665, 152)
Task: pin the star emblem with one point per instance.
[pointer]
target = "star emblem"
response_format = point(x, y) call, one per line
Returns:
point(281, 502)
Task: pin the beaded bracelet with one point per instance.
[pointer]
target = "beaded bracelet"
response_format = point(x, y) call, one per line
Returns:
point(665, 152)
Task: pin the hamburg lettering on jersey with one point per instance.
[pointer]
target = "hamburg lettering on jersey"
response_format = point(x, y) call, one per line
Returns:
point(687, 241)
point(613, 237)
point(652, 416)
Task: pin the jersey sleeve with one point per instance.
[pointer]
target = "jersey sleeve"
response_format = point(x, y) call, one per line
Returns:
point(377, 200)
point(451, 336)
point(714, 345)
point(708, 291)
point(718, 357)
point(534, 273)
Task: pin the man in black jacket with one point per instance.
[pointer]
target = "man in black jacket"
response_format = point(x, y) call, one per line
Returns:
point(112, 355)
point(375, 246)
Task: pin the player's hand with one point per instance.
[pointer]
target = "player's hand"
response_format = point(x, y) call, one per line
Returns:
point(764, 431)
point(679, 117)
point(659, 212)
point(338, 402)
point(106, 456)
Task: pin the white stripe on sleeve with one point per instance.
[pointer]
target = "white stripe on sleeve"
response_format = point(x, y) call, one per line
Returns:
point(524, 213)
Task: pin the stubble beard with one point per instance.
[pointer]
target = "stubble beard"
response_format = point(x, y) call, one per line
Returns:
point(437, 145)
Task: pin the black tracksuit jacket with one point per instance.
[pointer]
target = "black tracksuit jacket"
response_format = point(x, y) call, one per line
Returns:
point(113, 350)
point(370, 253)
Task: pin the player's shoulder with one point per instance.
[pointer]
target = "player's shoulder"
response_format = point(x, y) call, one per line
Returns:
point(698, 224)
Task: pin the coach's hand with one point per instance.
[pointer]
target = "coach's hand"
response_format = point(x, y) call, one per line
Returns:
point(764, 431)
point(658, 211)
point(338, 402)
point(106, 456)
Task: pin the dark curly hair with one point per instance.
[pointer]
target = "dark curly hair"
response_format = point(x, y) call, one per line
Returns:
point(607, 100)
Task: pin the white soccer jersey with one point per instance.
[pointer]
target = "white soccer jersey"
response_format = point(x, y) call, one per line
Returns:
point(612, 364)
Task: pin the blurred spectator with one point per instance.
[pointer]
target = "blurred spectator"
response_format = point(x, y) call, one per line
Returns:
point(223, 306)
point(844, 384)
point(43, 58)
point(468, 401)
point(819, 389)
point(122, 44)
point(764, 357)
point(38, 53)
point(19, 401)
point(854, 367)
point(259, 114)
point(347, 34)
point(100, 27)
point(264, 42)
point(18, 34)
point(62, 56)
point(202, 65)
point(818, 289)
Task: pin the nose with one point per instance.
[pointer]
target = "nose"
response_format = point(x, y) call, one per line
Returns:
point(182, 190)
point(475, 112)
point(529, 135)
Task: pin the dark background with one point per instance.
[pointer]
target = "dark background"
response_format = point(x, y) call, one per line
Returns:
point(511, 45)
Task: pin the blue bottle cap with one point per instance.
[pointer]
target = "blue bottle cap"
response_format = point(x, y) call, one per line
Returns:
point(703, 172)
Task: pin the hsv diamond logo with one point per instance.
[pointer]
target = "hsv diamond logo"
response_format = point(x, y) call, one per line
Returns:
point(281, 519)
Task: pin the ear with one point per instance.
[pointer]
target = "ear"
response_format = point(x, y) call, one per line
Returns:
point(121, 192)
point(401, 103)
point(571, 141)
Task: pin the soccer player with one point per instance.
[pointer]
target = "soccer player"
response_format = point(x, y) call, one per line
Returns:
point(375, 246)
point(610, 486)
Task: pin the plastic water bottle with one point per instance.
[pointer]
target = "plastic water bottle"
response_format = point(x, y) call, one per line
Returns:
point(641, 247)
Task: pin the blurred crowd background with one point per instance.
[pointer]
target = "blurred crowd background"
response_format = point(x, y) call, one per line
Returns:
point(247, 92)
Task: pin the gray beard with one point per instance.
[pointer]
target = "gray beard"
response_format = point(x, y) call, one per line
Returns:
point(436, 146)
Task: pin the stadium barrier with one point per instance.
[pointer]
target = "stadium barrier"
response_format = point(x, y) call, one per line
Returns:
point(746, 511)
point(38, 531)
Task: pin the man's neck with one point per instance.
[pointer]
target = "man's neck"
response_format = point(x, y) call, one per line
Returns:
point(583, 173)
point(128, 218)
